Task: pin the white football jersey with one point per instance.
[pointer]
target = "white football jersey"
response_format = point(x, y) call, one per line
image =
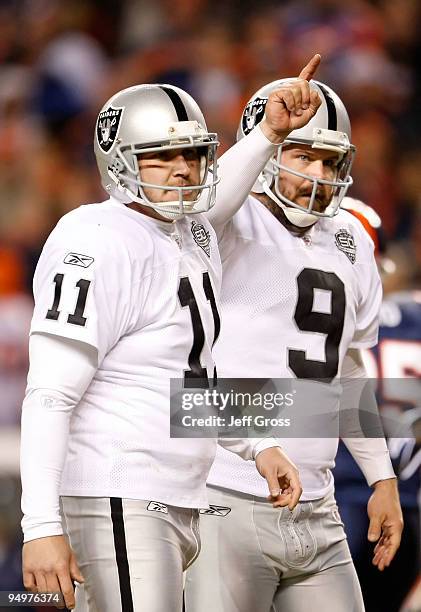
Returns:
point(143, 293)
point(291, 308)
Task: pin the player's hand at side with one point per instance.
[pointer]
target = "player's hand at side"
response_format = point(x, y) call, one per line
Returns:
point(281, 475)
point(386, 521)
point(49, 566)
point(292, 106)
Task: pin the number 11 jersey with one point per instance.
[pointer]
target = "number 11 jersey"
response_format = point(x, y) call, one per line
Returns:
point(291, 307)
point(144, 294)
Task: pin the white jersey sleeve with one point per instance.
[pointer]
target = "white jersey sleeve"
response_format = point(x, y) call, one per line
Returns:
point(59, 374)
point(370, 453)
point(82, 286)
point(370, 298)
point(248, 448)
point(238, 170)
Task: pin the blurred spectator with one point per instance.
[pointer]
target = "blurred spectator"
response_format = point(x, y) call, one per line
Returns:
point(15, 315)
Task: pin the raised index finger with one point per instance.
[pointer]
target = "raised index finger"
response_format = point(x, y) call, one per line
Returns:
point(309, 69)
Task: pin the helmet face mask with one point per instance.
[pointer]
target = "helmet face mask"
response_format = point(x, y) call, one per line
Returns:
point(339, 185)
point(328, 130)
point(127, 176)
point(153, 119)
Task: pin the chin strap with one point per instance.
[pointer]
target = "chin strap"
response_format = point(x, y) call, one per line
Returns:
point(170, 215)
point(125, 197)
point(295, 216)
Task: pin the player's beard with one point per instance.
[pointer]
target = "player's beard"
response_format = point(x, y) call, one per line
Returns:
point(321, 201)
point(278, 213)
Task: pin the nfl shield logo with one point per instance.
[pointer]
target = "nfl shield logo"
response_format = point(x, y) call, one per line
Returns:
point(107, 127)
point(345, 242)
point(201, 236)
point(253, 114)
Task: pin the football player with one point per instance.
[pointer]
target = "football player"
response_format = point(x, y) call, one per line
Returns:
point(300, 299)
point(126, 298)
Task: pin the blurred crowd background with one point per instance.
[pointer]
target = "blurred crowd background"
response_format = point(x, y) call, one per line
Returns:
point(59, 61)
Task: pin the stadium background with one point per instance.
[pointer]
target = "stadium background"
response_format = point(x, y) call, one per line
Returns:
point(59, 61)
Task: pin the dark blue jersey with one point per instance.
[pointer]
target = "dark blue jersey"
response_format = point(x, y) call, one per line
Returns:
point(396, 361)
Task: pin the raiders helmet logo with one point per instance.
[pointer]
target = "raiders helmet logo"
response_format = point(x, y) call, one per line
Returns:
point(253, 114)
point(201, 236)
point(107, 127)
point(346, 243)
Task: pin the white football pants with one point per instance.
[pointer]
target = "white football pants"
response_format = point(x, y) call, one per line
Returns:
point(131, 553)
point(256, 558)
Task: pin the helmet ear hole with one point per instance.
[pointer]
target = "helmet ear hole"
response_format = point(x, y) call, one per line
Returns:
point(116, 166)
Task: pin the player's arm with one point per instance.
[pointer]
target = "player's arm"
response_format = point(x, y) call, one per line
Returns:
point(372, 456)
point(81, 309)
point(359, 405)
point(60, 371)
point(280, 473)
point(288, 108)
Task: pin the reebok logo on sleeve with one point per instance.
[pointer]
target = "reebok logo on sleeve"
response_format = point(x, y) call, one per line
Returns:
point(76, 259)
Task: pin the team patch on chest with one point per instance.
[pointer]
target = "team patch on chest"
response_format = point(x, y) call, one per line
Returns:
point(345, 242)
point(201, 236)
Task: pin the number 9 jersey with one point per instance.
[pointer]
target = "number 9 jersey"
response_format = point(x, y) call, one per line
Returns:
point(291, 308)
point(143, 293)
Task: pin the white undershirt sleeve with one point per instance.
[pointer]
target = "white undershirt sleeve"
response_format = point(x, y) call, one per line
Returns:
point(60, 371)
point(370, 453)
point(238, 170)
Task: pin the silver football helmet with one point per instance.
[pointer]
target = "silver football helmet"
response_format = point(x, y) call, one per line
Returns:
point(329, 129)
point(146, 119)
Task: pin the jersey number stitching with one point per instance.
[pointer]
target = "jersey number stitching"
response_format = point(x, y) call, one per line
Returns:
point(331, 324)
point(197, 376)
point(77, 317)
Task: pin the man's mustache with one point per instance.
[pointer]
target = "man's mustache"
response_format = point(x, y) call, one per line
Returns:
point(306, 193)
point(321, 200)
